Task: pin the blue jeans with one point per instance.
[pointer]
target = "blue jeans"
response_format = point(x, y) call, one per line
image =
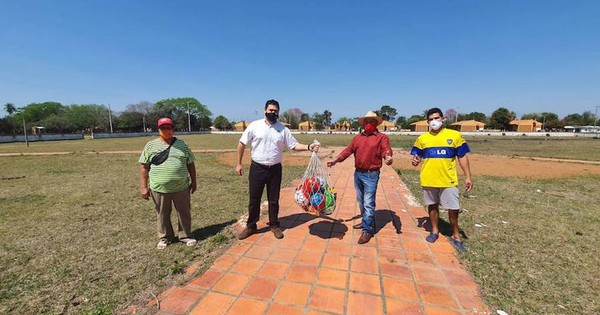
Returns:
point(366, 188)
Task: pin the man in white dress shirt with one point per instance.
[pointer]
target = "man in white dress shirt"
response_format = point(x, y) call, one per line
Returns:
point(267, 138)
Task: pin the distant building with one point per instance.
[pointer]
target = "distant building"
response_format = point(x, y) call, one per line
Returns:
point(526, 125)
point(305, 126)
point(343, 126)
point(467, 125)
point(419, 126)
point(37, 130)
point(241, 126)
point(387, 126)
point(583, 129)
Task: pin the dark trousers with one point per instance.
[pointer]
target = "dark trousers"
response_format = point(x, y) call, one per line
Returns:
point(259, 177)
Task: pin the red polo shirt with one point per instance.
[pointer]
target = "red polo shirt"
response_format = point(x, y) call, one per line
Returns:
point(368, 150)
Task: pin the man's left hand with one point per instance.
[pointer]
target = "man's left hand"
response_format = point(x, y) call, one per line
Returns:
point(193, 187)
point(388, 160)
point(468, 184)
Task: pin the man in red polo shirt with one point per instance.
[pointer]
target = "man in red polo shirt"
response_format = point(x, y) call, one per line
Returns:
point(369, 148)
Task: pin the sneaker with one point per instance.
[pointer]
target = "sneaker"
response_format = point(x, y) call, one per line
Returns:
point(458, 244)
point(277, 232)
point(162, 243)
point(432, 237)
point(188, 241)
point(246, 232)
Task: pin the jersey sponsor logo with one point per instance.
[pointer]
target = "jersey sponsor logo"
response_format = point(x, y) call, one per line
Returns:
point(449, 141)
point(439, 152)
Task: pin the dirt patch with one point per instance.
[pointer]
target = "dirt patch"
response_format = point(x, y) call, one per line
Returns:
point(514, 167)
point(504, 166)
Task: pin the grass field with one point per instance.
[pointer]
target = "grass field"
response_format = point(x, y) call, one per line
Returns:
point(78, 239)
point(537, 249)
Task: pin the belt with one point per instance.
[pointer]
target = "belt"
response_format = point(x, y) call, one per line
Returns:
point(266, 166)
point(362, 170)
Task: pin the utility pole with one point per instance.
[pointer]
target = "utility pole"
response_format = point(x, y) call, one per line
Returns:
point(544, 123)
point(110, 118)
point(25, 132)
point(189, 121)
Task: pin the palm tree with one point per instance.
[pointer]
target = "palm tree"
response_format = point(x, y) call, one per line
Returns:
point(10, 108)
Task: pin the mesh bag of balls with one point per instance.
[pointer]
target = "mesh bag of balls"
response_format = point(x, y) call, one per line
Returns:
point(315, 194)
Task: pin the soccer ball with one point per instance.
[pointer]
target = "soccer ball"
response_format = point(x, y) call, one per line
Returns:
point(312, 184)
point(300, 198)
point(317, 200)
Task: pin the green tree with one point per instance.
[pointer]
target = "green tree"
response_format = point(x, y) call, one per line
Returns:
point(480, 117)
point(91, 117)
point(7, 127)
point(573, 120)
point(10, 108)
point(203, 123)
point(587, 118)
point(551, 121)
point(387, 112)
point(415, 118)
point(401, 122)
point(292, 116)
point(35, 112)
point(327, 118)
point(317, 121)
point(137, 116)
point(501, 119)
point(178, 108)
point(131, 121)
point(56, 124)
point(222, 123)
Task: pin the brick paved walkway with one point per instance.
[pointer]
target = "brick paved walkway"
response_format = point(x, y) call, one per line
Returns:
point(318, 268)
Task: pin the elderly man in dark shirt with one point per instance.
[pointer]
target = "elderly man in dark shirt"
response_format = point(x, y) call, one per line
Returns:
point(369, 148)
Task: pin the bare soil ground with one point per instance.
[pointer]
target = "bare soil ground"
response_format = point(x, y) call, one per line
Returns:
point(503, 166)
point(519, 167)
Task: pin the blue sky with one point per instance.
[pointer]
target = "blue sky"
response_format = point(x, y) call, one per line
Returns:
point(345, 56)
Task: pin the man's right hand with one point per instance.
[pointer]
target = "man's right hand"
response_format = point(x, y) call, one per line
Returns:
point(145, 193)
point(331, 163)
point(239, 169)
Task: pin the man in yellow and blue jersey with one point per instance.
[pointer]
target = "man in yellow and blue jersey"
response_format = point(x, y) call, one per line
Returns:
point(439, 149)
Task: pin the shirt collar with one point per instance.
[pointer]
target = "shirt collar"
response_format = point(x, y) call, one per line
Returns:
point(372, 134)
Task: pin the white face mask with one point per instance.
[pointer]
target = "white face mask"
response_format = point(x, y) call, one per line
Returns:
point(435, 124)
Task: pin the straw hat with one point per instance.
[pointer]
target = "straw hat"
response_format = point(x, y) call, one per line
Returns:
point(370, 115)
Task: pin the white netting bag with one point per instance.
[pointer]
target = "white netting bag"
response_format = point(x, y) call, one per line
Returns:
point(316, 194)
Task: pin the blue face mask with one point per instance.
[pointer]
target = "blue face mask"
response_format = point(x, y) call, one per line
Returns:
point(272, 117)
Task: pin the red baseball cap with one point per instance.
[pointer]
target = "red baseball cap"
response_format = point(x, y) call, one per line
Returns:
point(165, 121)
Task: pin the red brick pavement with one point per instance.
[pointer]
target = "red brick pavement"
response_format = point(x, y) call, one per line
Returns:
point(318, 268)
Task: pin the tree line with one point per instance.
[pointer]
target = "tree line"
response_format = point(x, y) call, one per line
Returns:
point(187, 113)
point(190, 114)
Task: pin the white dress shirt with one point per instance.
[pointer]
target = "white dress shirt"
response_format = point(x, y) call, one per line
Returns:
point(268, 141)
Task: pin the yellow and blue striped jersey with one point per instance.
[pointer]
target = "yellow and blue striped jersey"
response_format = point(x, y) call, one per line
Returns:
point(439, 152)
